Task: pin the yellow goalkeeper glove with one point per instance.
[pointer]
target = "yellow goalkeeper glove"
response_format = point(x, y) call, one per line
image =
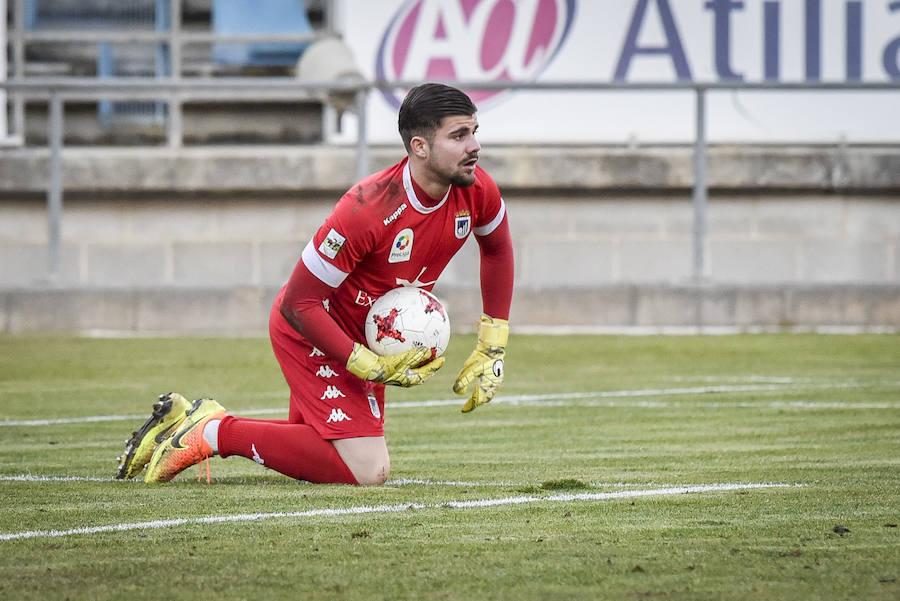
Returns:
point(484, 366)
point(406, 369)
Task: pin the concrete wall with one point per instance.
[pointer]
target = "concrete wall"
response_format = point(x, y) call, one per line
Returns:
point(560, 241)
point(199, 240)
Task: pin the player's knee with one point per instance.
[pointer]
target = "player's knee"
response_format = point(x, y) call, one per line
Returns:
point(366, 457)
point(373, 474)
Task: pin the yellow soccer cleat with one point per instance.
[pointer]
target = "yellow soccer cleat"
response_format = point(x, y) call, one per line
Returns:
point(168, 413)
point(185, 447)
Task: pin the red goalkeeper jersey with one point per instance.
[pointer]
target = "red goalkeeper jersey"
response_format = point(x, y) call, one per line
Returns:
point(381, 236)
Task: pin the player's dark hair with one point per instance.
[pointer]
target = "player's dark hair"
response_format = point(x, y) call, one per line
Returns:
point(425, 106)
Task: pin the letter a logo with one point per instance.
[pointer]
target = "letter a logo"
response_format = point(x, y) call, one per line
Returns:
point(484, 40)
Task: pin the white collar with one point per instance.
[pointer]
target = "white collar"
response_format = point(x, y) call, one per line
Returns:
point(411, 194)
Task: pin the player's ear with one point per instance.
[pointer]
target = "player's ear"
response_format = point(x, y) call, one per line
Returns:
point(419, 147)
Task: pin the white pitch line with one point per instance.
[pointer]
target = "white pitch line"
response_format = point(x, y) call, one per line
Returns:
point(35, 478)
point(113, 418)
point(366, 509)
point(72, 420)
point(408, 481)
point(522, 399)
point(396, 482)
point(558, 399)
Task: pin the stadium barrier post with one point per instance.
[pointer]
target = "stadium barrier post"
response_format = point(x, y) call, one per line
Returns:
point(54, 188)
point(174, 121)
point(700, 191)
point(18, 58)
point(362, 141)
point(700, 197)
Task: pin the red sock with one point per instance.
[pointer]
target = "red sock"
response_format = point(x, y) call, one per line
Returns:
point(295, 450)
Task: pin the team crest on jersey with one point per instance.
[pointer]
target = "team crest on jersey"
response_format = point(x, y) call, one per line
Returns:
point(462, 224)
point(332, 244)
point(401, 249)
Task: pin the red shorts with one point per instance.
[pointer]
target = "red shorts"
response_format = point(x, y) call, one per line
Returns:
point(323, 393)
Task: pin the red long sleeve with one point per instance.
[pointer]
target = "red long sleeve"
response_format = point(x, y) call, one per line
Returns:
point(302, 308)
point(497, 271)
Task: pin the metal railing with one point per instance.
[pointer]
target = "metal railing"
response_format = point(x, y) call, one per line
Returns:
point(176, 89)
point(175, 38)
point(56, 91)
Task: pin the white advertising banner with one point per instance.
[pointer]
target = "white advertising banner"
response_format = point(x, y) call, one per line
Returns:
point(639, 41)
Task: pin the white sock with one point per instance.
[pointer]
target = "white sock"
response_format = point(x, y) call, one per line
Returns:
point(211, 434)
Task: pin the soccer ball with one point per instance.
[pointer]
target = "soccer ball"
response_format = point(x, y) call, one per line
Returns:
point(405, 318)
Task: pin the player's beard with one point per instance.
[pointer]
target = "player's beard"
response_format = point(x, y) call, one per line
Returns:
point(461, 180)
point(457, 177)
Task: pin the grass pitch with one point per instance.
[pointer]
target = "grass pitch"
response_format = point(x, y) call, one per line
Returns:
point(733, 467)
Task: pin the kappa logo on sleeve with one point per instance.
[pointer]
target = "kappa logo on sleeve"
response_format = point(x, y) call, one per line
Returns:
point(332, 244)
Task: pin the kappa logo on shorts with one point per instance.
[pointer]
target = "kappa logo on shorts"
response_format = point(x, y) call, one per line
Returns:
point(316, 353)
point(337, 415)
point(332, 244)
point(332, 392)
point(325, 371)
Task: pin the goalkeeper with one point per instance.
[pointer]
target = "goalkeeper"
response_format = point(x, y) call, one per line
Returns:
point(400, 226)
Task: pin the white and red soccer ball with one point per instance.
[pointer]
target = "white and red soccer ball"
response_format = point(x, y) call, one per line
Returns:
point(407, 317)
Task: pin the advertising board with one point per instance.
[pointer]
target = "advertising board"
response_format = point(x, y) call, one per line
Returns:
point(638, 41)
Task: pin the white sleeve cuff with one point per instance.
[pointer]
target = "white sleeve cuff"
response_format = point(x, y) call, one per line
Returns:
point(484, 230)
point(321, 268)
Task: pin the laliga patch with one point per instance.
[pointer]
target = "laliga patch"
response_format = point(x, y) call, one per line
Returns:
point(401, 249)
point(462, 224)
point(332, 244)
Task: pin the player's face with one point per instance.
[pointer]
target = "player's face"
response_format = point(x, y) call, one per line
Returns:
point(454, 151)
